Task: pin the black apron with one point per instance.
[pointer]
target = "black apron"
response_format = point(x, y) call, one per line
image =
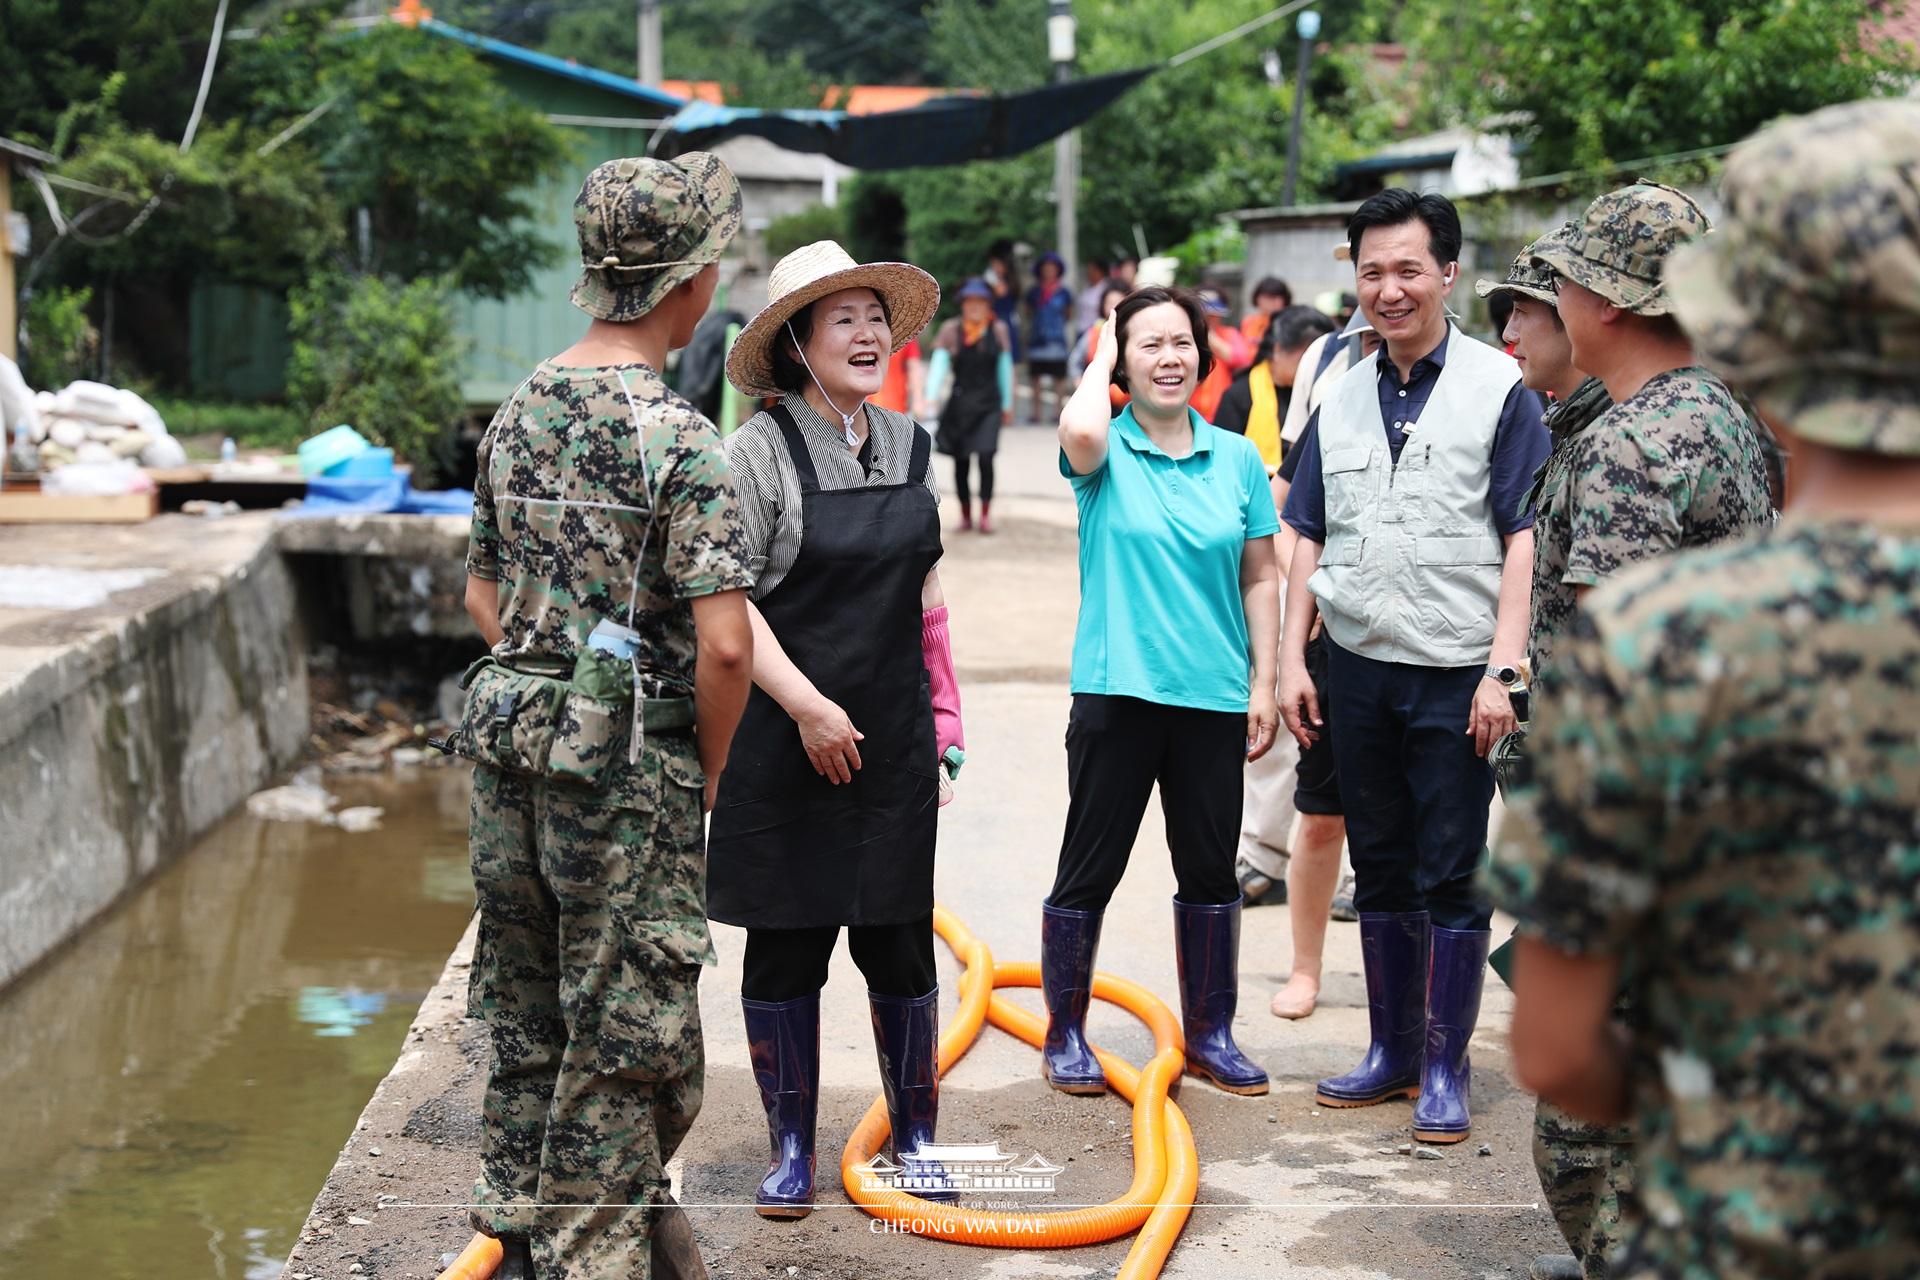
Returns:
point(787, 849)
point(971, 421)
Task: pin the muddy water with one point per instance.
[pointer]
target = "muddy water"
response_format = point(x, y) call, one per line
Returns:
point(175, 1086)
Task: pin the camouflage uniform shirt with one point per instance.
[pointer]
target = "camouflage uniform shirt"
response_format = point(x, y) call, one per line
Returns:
point(560, 512)
point(1553, 601)
point(1727, 797)
point(561, 520)
point(1677, 464)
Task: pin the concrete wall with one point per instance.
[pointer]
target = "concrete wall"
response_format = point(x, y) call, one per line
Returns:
point(119, 749)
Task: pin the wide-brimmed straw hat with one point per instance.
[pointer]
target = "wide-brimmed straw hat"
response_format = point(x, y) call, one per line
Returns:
point(809, 274)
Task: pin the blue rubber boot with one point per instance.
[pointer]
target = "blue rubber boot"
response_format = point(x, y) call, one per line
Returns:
point(783, 1041)
point(1453, 1007)
point(1207, 945)
point(1393, 947)
point(906, 1032)
point(1068, 942)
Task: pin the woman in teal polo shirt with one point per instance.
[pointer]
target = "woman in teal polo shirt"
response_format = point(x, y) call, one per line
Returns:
point(1173, 675)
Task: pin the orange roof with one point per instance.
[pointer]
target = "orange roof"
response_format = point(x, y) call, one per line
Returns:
point(865, 99)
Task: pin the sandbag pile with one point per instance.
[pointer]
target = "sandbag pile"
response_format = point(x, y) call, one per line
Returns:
point(91, 422)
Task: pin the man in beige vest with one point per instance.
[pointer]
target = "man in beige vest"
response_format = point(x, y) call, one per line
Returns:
point(1415, 551)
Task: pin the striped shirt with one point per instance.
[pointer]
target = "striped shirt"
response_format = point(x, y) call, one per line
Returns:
point(768, 486)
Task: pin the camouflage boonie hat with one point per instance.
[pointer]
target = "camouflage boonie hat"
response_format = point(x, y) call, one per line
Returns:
point(1808, 297)
point(1527, 279)
point(1619, 244)
point(647, 225)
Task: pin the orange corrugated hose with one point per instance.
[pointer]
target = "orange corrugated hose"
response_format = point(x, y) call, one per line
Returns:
point(1166, 1167)
point(479, 1260)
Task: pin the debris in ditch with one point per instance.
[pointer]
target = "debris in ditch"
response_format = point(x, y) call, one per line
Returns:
point(302, 800)
point(360, 818)
point(305, 800)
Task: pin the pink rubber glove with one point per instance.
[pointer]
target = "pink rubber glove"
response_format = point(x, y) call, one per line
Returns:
point(936, 653)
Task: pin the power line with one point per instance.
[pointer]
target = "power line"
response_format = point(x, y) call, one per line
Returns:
point(1244, 29)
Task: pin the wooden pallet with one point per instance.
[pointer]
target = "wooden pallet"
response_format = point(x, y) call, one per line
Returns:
point(30, 507)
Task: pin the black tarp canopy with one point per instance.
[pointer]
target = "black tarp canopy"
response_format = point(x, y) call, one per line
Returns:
point(940, 131)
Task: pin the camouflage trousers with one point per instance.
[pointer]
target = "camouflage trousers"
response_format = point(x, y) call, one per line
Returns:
point(586, 973)
point(1584, 1170)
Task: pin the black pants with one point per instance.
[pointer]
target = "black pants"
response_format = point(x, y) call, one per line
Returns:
point(1117, 748)
point(962, 462)
point(1414, 791)
point(785, 964)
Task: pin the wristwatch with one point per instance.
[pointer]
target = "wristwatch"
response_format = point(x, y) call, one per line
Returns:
point(1507, 676)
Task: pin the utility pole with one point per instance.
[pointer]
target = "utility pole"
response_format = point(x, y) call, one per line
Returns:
point(1066, 147)
point(1308, 27)
point(649, 30)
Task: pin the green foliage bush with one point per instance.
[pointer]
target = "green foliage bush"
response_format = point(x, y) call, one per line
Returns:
point(821, 222)
point(277, 428)
point(381, 356)
point(60, 341)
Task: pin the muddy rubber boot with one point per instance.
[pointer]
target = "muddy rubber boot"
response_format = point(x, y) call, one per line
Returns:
point(1453, 1006)
point(675, 1253)
point(1555, 1266)
point(783, 1041)
point(906, 1035)
point(516, 1259)
point(1207, 946)
point(1068, 942)
point(1393, 948)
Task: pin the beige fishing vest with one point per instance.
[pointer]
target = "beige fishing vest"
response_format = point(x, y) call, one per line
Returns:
point(1411, 567)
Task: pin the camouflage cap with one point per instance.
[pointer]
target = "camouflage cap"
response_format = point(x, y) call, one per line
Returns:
point(1525, 278)
point(1621, 242)
point(1808, 297)
point(646, 225)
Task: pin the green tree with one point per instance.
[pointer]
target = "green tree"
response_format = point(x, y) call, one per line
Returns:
point(418, 139)
point(378, 355)
point(763, 53)
point(1185, 146)
point(1597, 82)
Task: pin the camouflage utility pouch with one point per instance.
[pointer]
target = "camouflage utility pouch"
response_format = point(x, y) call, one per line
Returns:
point(538, 724)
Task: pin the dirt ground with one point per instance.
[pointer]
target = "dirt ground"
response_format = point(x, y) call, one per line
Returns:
point(1284, 1184)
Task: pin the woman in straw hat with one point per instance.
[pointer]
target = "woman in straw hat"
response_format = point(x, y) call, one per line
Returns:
point(825, 814)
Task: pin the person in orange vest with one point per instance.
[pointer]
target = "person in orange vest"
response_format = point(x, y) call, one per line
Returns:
point(1231, 353)
point(1270, 297)
point(904, 388)
point(1110, 295)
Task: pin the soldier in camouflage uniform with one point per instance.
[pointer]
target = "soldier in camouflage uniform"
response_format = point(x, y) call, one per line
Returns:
point(604, 497)
point(1583, 1169)
point(1675, 463)
point(1726, 786)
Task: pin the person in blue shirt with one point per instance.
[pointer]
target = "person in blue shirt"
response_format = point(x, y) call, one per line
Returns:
point(1416, 553)
point(1173, 675)
point(1050, 336)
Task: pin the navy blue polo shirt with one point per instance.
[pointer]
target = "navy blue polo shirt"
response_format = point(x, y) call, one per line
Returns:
point(1520, 445)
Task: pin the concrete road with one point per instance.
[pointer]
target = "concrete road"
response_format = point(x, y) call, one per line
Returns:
point(1284, 1184)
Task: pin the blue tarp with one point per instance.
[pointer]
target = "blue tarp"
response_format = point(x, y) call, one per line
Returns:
point(940, 131)
point(379, 495)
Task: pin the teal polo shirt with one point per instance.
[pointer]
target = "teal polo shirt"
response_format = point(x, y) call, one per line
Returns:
point(1160, 545)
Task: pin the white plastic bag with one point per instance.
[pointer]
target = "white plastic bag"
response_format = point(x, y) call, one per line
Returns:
point(17, 402)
